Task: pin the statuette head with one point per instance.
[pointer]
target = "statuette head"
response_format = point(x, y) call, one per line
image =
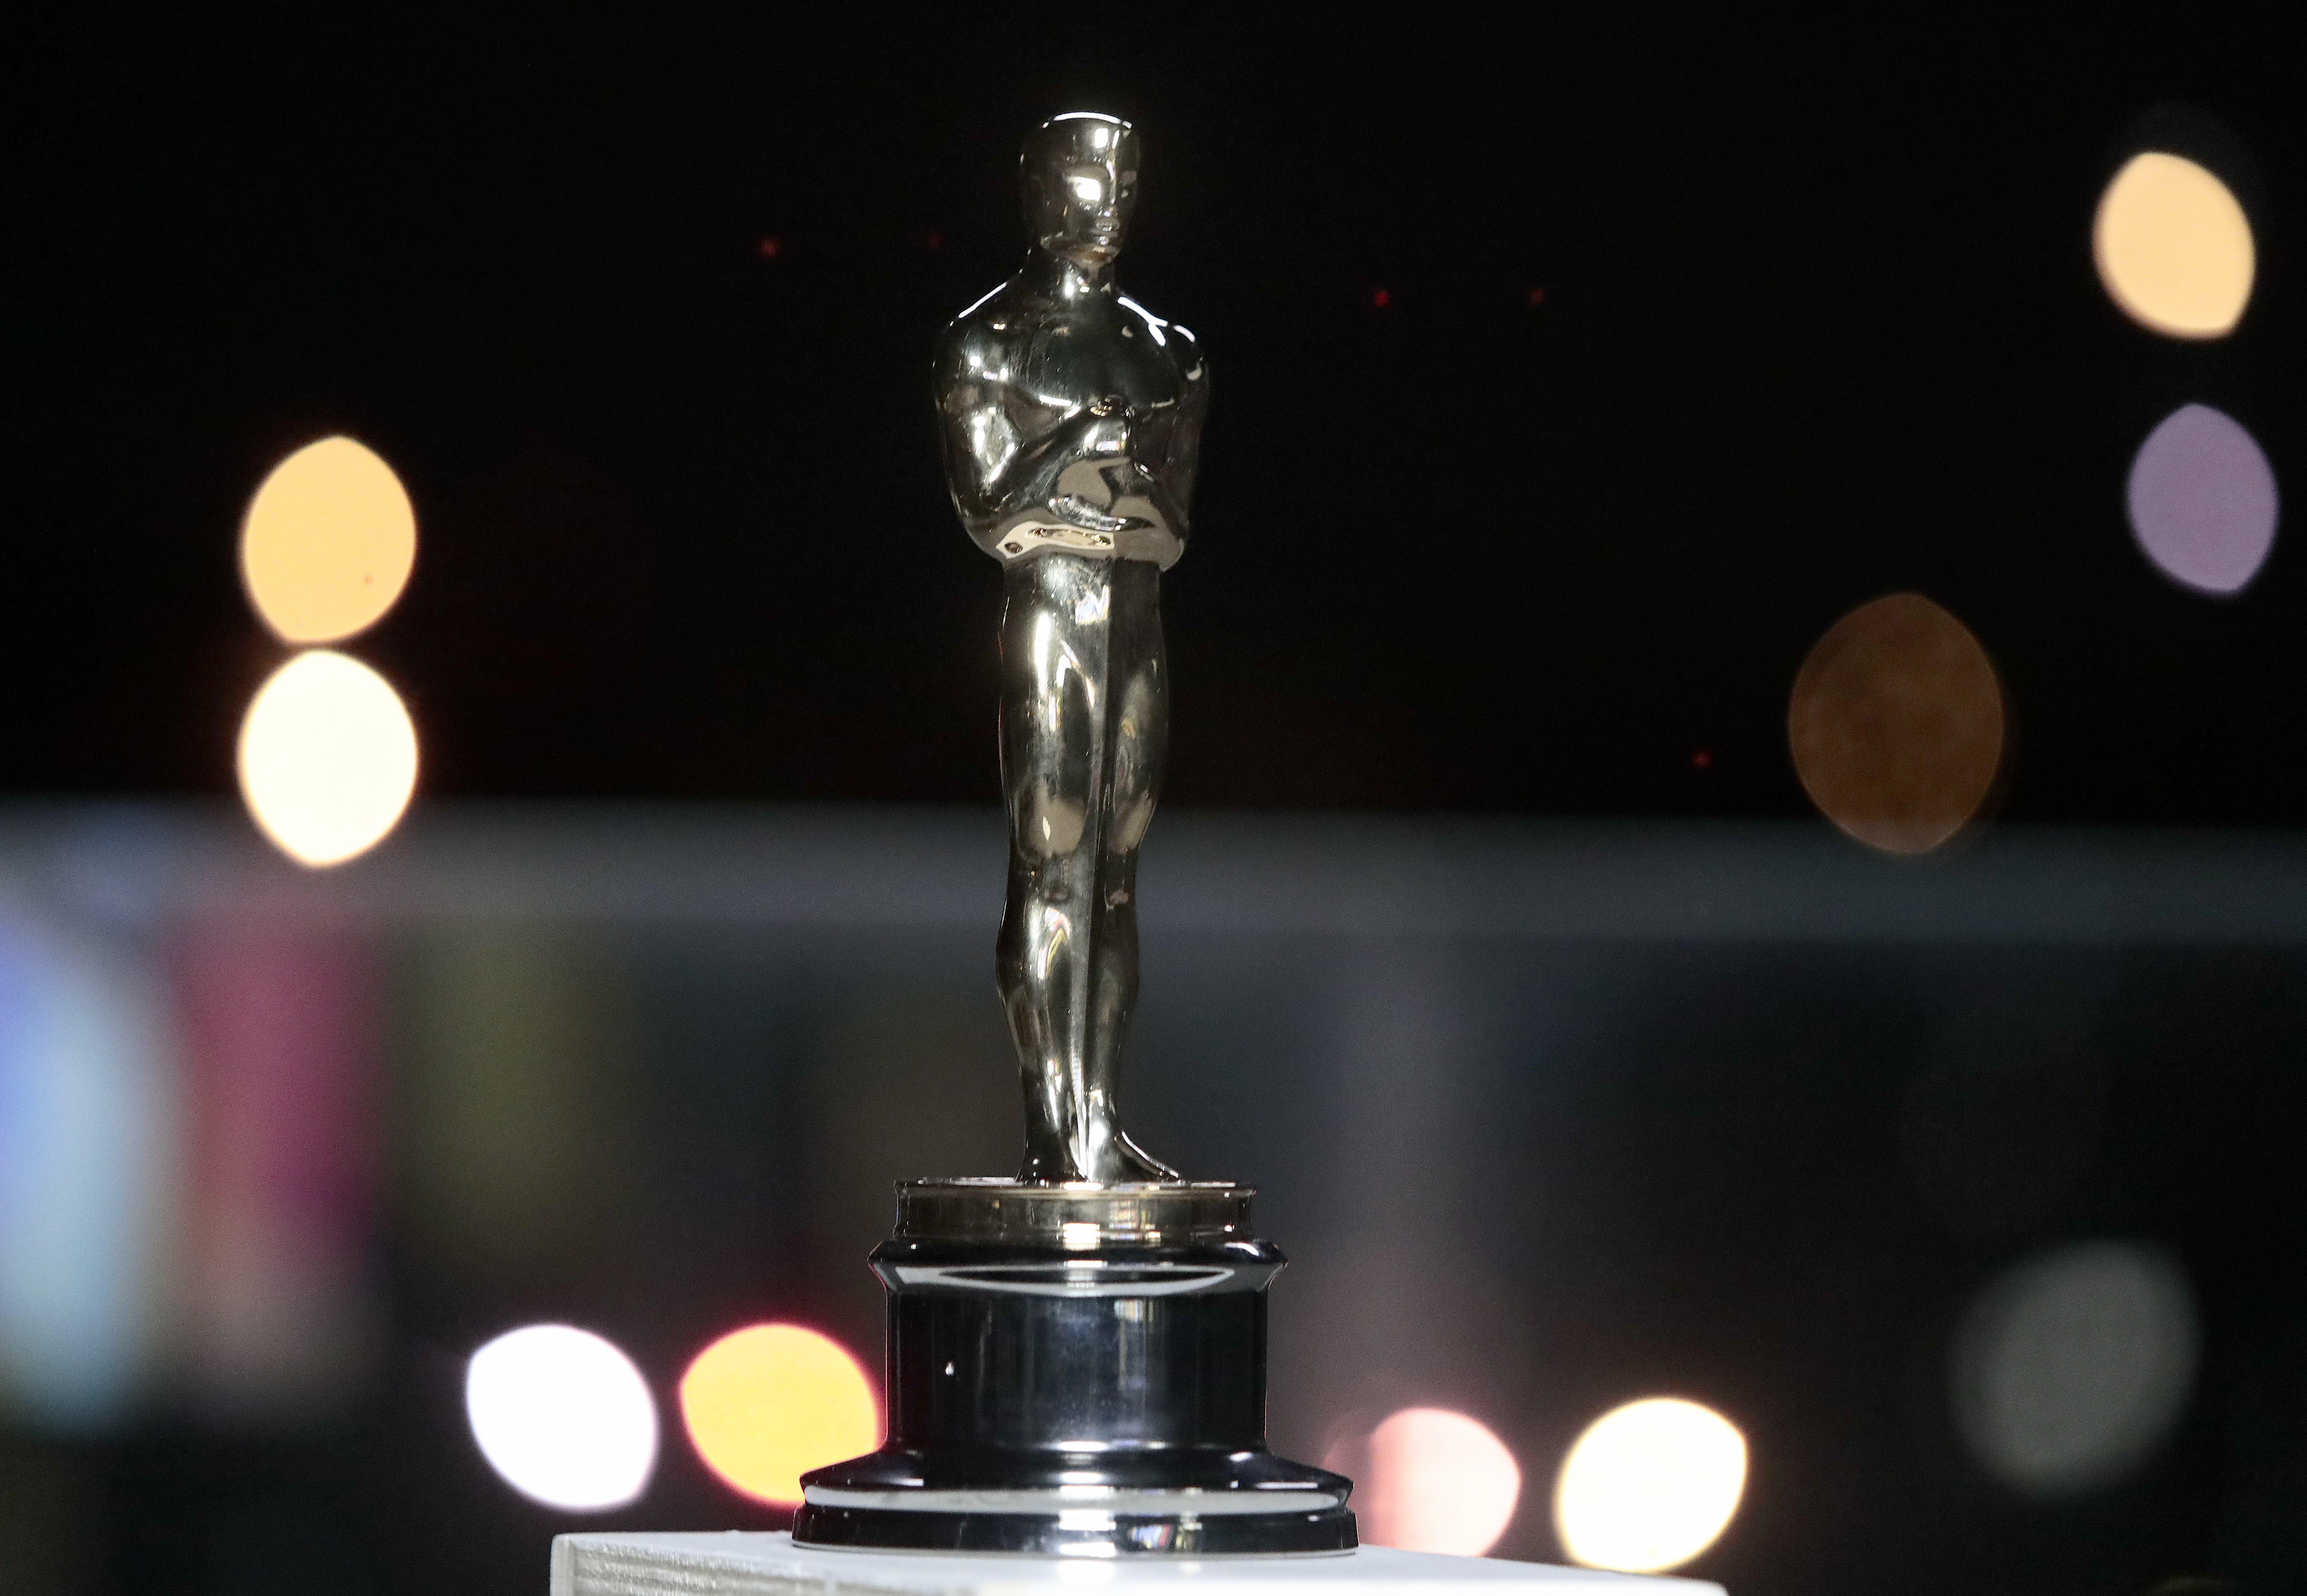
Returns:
point(1080, 174)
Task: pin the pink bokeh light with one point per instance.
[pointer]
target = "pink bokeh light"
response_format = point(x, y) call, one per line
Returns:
point(1429, 1479)
point(2202, 500)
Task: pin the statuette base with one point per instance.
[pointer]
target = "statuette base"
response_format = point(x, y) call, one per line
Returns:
point(1076, 1369)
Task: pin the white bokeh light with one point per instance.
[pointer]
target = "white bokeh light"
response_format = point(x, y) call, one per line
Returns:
point(1649, 1486)
point(2074, 1366)
point(1429, 1479)
point(328, 757)
point(563, 1417)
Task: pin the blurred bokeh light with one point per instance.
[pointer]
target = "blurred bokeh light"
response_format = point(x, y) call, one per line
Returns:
point(516, 1144)
point(2202, 500)
point(766, 1405)
point(2074, 1366)
point(1649, 1486)
point(277, 1024)
point(2173, 247)
point(563, 1417)
point(328, 757)
point(328, 543)
point(88, 1176)
point(1896, 725)
point(1429, 1479)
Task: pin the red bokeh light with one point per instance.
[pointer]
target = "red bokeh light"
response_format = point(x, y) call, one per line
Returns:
point(769, 247)
point(1381, 298)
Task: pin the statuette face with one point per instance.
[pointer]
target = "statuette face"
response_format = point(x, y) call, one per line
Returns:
point(1069, 419)
point(1080, 173)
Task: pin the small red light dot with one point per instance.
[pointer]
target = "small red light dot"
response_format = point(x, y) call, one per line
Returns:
point(768, 249)
point(1537, 297)
point(1380, 299)
point(934, 242)
point(1701, 759)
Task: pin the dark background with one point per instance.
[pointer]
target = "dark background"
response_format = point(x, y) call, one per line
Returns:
point(1817, 322)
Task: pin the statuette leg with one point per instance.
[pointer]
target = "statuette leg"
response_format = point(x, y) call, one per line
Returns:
point(1084, 714)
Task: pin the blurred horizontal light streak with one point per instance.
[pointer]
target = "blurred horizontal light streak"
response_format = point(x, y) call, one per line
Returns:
point(835, 868)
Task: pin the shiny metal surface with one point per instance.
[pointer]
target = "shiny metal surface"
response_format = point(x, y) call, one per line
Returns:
point(1136, 1503)
point(1092, 1530)
point(1098, 1390)
point(1077, 1357)
point(1152, 1214)
point(1070, 423)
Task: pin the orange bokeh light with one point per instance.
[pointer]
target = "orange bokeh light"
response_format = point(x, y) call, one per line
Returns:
point(328, 542)
point(1896, 725)
point(766, 1405)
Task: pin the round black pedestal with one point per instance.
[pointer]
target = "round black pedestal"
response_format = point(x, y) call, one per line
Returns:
point(1076, 1369)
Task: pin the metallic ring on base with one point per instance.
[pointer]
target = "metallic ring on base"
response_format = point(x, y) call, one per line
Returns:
point(1079, 1217)
point(1079, 1531)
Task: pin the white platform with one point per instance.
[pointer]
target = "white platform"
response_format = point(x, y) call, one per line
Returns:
point(752, 1563)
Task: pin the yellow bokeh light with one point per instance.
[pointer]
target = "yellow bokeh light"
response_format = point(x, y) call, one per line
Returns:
point(766, 1405)
point(328, 542)
point(328, 757)
point(1649, 1486)
point(2173, 247)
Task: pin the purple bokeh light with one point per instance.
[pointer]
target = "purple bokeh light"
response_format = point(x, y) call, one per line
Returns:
point(2202, 500)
